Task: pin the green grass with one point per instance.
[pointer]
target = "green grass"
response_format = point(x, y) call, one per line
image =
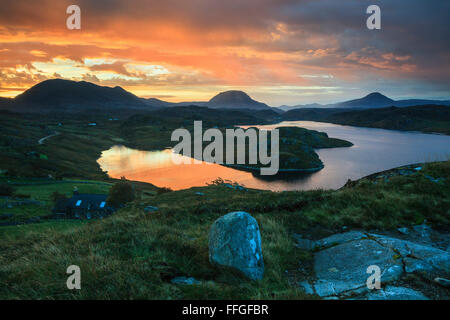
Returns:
point(42, 190)
point(35, 230)
point(133, 255)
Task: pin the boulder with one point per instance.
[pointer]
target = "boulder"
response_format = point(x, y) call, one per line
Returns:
point(443, 282)
point(235, 242)
point(150, 209)
point(185, 281)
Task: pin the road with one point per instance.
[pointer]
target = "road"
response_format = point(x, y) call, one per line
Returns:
point(41, 141)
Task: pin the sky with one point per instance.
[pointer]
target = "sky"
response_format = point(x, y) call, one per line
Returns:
point(278, 51)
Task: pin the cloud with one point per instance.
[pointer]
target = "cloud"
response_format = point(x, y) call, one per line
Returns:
point(252, 43)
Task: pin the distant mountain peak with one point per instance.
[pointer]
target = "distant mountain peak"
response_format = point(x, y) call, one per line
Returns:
point(61, 94)
point(372, 100)
point(235, 99)
point(375, 94)
point(378, 96)
point(231, 96)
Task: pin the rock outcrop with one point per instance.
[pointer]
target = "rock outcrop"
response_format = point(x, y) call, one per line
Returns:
point(235, 242)
point(341, 264)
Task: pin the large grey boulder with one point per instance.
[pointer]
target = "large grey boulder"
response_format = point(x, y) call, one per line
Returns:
point(235, 242)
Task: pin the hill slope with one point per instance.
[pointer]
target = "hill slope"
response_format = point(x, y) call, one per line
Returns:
point(371, 101)
point(225, 100)
point(428, 118)
point(67, 95)
point(236, 100)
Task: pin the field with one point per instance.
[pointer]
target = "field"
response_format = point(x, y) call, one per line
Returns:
point(134, 254)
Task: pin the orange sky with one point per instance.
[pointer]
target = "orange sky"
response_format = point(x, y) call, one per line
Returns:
point(176, 50)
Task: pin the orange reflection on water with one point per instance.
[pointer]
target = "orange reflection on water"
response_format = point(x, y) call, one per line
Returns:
point(158, 168)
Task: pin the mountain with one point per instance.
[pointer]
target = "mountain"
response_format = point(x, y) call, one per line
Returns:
point(426, 118)
point(5, 103)
point(371, 101)
point(71, 96)
point(225, 100)
point(311, 105)
point(236, 100)
point(417, 102)
point(153, 102)
point(67, 95)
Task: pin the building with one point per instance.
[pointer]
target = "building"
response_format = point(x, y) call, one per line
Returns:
point(83, 206)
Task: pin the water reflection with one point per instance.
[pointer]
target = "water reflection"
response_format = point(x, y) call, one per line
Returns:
point(374, 150)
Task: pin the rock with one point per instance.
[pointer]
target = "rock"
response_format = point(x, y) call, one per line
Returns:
point(199, 194)
point(340, 238)
point(443, 282)
point(418, 168)
point(235, 187)
point(419, 234)
point(304, 244)
point(34, 219)
point(437, 180)
point(343, 267)
point(150, 209)
point(423, 230)
point(403, 172)
point(307, 287)
point(185, 281)
point(396, 293)
point(417, 257)
point(235, 242)
point(341, 262)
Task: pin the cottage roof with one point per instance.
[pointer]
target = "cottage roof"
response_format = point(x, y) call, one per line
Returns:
point(87, 200)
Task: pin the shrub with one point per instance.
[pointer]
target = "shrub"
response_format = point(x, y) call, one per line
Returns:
point(11, 172)
point(22, 196)
point(163, 190)
point(57, 196)
point(121, 193)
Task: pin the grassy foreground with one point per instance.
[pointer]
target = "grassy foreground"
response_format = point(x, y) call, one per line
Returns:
point(134, 255)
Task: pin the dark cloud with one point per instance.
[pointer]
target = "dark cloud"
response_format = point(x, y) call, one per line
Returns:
point(260, 41)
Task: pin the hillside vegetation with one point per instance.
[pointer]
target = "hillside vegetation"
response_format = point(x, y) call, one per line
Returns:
point(428, 118)
point(74, 151)
point(134, 254)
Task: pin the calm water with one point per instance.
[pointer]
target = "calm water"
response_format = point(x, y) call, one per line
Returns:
point(374, 150)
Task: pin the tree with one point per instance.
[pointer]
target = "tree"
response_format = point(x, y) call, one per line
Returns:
point(56, 196)
point(121, 193)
